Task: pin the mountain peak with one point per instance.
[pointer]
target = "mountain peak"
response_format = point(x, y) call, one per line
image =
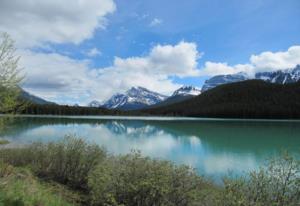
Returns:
point(95, 103)
point(135, 98)
point(279, 77)
point(187, 91)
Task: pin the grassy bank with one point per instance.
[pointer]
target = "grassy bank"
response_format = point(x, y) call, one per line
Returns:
point(73, 172)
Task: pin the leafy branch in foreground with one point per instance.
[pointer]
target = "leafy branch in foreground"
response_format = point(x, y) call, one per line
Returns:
point(10, 77)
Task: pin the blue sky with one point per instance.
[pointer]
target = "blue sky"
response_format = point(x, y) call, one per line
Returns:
point(224, 32)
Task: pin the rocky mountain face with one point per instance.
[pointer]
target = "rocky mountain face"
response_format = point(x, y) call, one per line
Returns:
point(139, 98)
point(134, 98)
point(279, 77)
point(181, 94)
point(223, 79)
point(95, 103)
point(187, 91)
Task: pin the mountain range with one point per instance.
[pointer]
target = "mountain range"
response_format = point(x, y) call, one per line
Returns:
point(279, 77)
point(140, 98)
point(134, 98)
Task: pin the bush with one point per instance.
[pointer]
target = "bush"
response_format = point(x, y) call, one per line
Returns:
point(68, 161)
point(135, 180)
point(276, 185)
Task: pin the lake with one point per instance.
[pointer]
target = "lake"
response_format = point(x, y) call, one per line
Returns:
point(215, 147)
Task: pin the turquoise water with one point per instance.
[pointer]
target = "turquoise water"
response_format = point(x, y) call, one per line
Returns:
point(215, 147)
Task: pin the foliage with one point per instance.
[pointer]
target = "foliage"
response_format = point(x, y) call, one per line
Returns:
point(276, 185)
point(136, 180)
point(68, 161)
point(9, 75)
point(53, 109)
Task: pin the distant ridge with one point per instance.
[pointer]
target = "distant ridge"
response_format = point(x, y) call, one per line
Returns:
point(33, 99)
point(181, 94)
point(280, 77)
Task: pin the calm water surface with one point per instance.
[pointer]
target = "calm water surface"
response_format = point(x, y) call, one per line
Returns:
point(214, 146)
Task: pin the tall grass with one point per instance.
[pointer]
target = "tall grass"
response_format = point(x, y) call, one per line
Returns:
point(18, 187)
point(134, 180)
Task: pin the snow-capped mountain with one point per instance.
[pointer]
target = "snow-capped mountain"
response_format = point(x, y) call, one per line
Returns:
point(95, 104)
point(279, 77)
point(223, 79)
point(187, 91)
point(134, 98)
point(181, 94)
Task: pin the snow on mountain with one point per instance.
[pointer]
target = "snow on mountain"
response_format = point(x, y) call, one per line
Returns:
point(116, 101)
point(134, 98)
point(181, 94)
point(94, 104)
point(187, 91)
point(279, 77)
point(224, 79)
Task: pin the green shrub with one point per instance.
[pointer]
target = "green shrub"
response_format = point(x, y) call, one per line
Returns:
point(68, 161)
point(276, 185)
point(135, 180)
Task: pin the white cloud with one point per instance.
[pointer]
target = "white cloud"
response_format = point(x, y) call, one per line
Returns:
point(93, 52)
point(34, 22)
point(266, 61)
point(179, 60)
point(57, 77)
point(277, 60)
point(155, 22)
point(212, 68)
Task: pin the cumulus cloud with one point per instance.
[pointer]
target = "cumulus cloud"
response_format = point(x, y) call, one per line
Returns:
point(277, 60)
point(179, 60)
point(264, 62)
point(54, 76)
point(212, 68)
point(155, 22)
point(32, 23)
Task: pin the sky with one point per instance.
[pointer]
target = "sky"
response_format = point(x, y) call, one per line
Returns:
point(76, 51)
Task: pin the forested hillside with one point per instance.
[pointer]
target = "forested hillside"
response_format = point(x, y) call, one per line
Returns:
point(36, 109)
point(248, 99)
